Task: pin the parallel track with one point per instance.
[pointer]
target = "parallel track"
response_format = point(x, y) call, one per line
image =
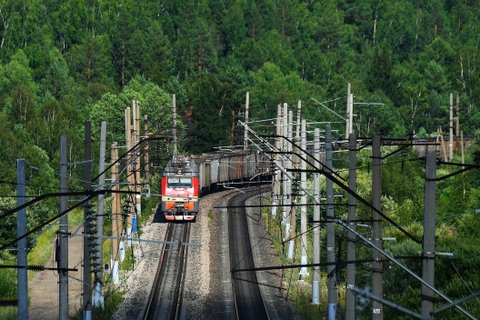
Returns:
point(165, 301)
point(248, 299)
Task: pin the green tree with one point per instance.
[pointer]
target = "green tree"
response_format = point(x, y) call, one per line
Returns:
point(17, 72)
point(154, 102)
point(90, 61)
point(270, 87)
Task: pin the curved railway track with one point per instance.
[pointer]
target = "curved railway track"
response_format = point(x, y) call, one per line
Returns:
point(248, 298)
point(165, 301)
point(210, 287)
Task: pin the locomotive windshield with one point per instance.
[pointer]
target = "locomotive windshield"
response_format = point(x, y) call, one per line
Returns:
point(179, 182)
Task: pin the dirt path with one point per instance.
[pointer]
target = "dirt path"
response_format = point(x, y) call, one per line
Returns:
point(43, 289)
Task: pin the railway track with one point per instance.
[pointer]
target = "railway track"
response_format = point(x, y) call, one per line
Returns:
point(249, 303)
point(165, 300)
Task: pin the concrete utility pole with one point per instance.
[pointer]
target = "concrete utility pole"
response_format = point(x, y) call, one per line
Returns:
point(351, 239)
point(98, 299)
point(294, 189)
point(428, 253)
point(146, 156)
point(22, 273)
point(87, 230)
point(316, 225)
point(298, 127)
point(130, 180)
point(303, 203)
point(116, 215)
point(377, 267)
point(290, 198)
point(277, 176)
point(245, 131)
point(347, 120)
point(138, 184)
point(457, 124)
point(349, 114)
point(450, 136)
point(174, 130)
point(63, 231)
point(331, 270)
point(286, 165)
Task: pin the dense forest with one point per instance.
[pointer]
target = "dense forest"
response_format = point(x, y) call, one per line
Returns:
point(65, 62)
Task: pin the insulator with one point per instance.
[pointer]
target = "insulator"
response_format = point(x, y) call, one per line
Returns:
point(36, 268)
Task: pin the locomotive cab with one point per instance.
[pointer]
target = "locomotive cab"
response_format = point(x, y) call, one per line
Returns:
point(180, 191)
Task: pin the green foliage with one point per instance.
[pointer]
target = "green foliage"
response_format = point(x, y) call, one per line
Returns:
point(65, 62)
point(154, 102)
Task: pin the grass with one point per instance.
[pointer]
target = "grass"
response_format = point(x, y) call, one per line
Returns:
point(299, 292)
point(40, 254)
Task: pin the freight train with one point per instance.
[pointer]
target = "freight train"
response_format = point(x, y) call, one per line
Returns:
point(180, 190)
point(185, 180)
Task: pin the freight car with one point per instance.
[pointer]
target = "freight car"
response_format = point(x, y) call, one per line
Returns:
point(219, 170)
point(183, 182)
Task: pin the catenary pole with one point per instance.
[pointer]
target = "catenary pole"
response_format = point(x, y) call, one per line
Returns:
point(290, 162)
point(130, 180)
point(347, 120)
point(457, 119)
point(98, 299)
point(286, 164)
point(174, 116)
point(138, 185)
point(22, 274)
point(63, 235)
point(116, 215)
point(303, 203)
point(146, 155)
point(316, 224)
point(277, 175)
point(428, 253)
point(294, 187)
point(351, 239)
point(245, 132)
point(377, 266)
point(450, 131)
point(331, 270)
point(87, 242)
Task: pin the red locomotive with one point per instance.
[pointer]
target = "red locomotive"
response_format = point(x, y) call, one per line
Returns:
point(180, 191)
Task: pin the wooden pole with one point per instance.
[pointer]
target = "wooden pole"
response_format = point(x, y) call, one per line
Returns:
point(444, 151)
